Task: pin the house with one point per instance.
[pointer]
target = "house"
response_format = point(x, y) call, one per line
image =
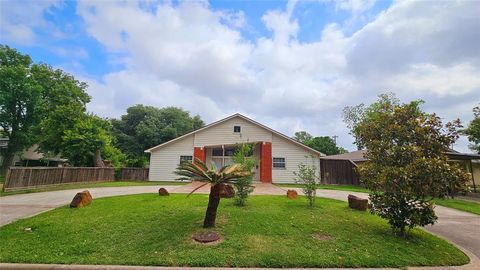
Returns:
point(30, 157)
point(278, 154)
point(341, 169)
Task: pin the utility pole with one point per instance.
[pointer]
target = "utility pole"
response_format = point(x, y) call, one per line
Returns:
point(334, 137)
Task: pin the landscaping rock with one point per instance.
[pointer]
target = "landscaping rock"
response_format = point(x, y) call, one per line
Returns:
point(226, 191)
point(206, 237)
point(163, 192)
point(292, 194)
point(357, 203)
point(82, 199)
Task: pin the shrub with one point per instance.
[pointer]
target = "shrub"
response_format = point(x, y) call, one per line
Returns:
point(244, 156)
point(308, 178)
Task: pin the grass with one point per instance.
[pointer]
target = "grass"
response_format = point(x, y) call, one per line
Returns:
point(459, 204)
point(90, 185)
point(271, 231)
point(332, 187)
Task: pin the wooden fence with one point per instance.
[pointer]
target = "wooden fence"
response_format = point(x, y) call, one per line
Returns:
point(135, 174)
point(338, 172)
point(34, 177)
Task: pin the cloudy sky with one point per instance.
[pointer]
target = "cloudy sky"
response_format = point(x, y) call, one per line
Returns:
point(290, 65)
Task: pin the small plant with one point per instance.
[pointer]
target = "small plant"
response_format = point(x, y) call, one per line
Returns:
point(244, 156)
point(308, 178)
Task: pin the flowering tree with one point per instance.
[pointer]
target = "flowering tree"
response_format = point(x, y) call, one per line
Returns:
point(406, 164)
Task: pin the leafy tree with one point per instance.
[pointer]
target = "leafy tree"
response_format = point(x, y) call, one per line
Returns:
point(473, 131)
point(302, 136)
point(90, 138)
point(406, 164)
point(244, 156)
point(325, 145)
point(353, 115)
point(145, 126)
point(37, 104)
point(20, 99)
point(198, 171)
point(307, 176)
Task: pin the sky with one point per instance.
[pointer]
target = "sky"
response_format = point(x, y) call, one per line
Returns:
point(291, 65)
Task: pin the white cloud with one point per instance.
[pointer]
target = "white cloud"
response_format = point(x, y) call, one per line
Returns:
point(18, 26)
point(192, 56)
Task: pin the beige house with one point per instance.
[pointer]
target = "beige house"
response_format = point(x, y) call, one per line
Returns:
point(278, 154)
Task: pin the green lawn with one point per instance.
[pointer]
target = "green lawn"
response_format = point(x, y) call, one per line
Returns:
point(331, 187)
point(459, 204)
point(91, 185)
point(271, 231)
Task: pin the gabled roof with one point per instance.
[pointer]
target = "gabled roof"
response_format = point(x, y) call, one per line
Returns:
point(246, 119)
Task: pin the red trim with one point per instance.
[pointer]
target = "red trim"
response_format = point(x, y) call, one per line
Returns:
point(200, 153)
point(266, 162)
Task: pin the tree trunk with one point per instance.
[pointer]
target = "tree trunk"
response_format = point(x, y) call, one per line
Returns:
point(98, 159)
point(7, 162)
point(213, 202)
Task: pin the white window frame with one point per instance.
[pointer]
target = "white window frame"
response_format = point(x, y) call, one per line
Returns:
point(184, 158)
point(237, 132)
point(279, 162)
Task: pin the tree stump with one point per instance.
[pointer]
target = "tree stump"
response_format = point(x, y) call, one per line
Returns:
point(163, 192)
point(292, 194)
point(357, 203)
point(82, 199)
point(206, 237)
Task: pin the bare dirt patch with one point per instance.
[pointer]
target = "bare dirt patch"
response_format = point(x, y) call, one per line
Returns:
point(322, 237)
point(207, 238)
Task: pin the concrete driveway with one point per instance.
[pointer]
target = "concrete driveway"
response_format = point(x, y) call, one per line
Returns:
point(460, 228)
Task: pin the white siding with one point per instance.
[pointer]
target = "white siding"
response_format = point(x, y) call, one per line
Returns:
point(294, 154)
point(164, 160)
point(223, 133)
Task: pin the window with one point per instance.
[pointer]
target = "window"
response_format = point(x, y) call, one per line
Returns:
point(236, 129)
point(217, 152)
point(279, 163)
point(186, 158)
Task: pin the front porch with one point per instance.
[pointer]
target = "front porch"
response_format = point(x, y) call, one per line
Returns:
point(222, 155)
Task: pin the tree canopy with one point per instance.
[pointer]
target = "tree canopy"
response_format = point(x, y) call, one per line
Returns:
point(46, 106)
point(473, 131)
point(145, 126)
point(322, 144)
point(406, 164)
point(19, 102)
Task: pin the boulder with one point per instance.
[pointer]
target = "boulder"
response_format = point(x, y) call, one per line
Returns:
point(163, 192)
point(82, 199)
point(226, 191)
point(357, 203)
point(292, 194)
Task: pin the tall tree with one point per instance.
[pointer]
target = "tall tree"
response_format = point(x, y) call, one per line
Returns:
point(473, 131)
point(89, 142)
point(325, 145)
point(406, 164)
point(20, 99)
point(146, 126)
point(302, 136)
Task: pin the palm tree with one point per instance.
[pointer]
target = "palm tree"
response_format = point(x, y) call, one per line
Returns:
point(198, 171)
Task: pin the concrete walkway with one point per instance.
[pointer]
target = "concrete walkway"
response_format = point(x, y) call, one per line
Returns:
point(460, 228)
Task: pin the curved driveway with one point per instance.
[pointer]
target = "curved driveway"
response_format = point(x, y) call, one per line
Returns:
point(461, 228)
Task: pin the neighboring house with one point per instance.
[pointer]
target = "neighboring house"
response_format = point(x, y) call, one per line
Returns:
point(31, 158)
point(341, 169)
point(278, 154)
